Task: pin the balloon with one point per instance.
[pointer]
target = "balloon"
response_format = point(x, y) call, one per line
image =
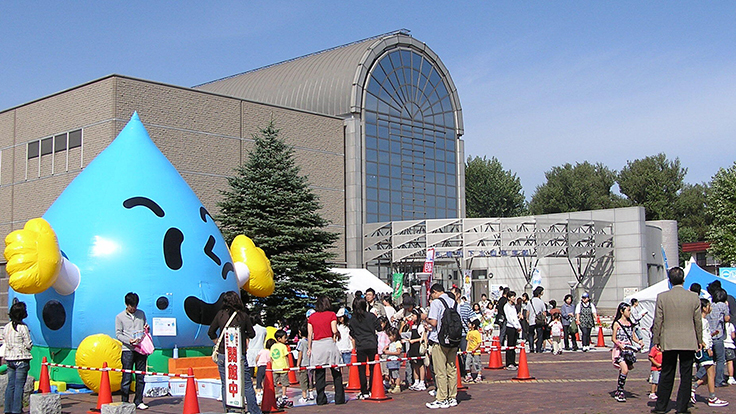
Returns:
point(92, 352)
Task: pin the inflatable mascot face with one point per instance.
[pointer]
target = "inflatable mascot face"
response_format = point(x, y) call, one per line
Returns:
point(128, 223)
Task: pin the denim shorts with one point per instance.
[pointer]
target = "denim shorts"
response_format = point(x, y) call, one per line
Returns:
point(654, 377)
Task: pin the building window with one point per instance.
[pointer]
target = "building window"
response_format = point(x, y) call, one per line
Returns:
point(59, 146)
point(410, 140)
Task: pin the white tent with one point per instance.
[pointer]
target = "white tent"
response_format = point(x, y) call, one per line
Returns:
point(362, 279)
point(647, 302)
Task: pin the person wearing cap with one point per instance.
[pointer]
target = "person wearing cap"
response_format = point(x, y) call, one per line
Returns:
point(407, 307)
point(345, 343)
point(585, 317)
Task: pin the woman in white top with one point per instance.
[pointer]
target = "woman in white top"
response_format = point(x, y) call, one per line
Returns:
point(18, 344)
point(513, 328)
point(345, 343)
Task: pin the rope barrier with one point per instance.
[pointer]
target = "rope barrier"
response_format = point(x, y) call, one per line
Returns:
point(131, 371)
point(402, 359)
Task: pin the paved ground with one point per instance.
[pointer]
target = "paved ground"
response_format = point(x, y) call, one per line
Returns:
point(568, 383)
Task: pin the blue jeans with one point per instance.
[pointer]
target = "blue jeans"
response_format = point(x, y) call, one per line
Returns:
point(248, 392)
point(719, 356)
point(131, 360)
point(17, 374)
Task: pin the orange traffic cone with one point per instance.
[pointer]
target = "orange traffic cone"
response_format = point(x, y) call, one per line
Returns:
point(104, 396)
point(494, 357)
point(268, 404)
point(191, 403)
point(44, 383)
point(601, 341)
point(292, 374)
point(523, 373)
point(378, 394)
point(460, 386)
point(354, 376)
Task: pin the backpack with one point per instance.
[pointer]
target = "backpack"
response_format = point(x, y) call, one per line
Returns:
point(451, 331)
point(540, 318)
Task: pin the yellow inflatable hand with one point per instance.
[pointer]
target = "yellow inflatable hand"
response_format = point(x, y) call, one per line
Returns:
point(260, 283)
point(33, 256)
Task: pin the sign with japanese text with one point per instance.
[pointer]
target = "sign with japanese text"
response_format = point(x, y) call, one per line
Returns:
point(429, 261)
point(233, 368)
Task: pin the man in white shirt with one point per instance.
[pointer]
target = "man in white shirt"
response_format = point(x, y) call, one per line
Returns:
point(443, 358)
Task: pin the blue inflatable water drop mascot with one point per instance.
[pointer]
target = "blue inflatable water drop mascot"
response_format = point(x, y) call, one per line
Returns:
point(127, 223)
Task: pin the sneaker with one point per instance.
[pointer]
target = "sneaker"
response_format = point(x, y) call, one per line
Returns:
point(142, 406)
point(303, 400)
point(396, 390)
point(468, 378)
point(692, 396)
point(715, 402)
point(478, 379)
point(432, 392)
point(311, 395)
point(652, 396)
point(512, 368)
point(451, 402)
point(421, 387)
point(731, 381)
point(620, 397)
point(437, 404)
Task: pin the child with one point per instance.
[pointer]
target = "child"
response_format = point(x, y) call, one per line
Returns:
point(556, 333)
point(303, 361)
point(263, 358)
point(730, 351)
point(280, 366)
point(393, 352)
point(472, 359)
point(623, 337)
point(655, 357)
point(706, 366)
point(383, 341)
point(416, 339)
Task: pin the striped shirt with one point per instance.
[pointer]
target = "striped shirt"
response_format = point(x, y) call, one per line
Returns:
point(18, 342)
point(466, 313)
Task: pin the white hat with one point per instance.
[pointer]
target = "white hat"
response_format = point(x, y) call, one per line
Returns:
point(310, 312)
point(341, 312)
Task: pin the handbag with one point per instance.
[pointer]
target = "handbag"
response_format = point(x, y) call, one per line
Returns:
point(573, 327)
point(222, 334)
point(540, 318)
point(145, 346)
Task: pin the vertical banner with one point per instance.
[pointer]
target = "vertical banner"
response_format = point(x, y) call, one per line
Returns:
point(429, 261)
point(536, 278)
point(398, 286)
point(233, 368)
point(468, 284)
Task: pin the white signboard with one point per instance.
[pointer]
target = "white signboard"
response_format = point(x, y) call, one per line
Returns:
point(164, 327)
point(233, 368)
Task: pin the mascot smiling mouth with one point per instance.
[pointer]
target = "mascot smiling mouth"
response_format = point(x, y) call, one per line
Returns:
point(201, 312)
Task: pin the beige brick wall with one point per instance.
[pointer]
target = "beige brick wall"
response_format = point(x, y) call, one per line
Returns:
point(204, 136)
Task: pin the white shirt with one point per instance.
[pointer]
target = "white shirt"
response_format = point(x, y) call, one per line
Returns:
point(512, 316)
point(390, 311)
point(728, 340)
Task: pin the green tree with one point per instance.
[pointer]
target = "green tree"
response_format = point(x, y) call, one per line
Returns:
point(722, 209)
point(691, 209)
point(653, 182)
point(269, 201)
point(584, 186)
point(491, 191)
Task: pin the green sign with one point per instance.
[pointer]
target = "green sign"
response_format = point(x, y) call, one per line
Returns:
point(398, 286)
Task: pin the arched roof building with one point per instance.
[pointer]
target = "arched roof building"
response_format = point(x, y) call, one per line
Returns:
point(403, 119)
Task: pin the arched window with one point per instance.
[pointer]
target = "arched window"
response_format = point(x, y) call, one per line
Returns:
point(410, 141)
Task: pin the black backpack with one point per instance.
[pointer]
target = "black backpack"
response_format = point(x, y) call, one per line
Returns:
point(451, 331)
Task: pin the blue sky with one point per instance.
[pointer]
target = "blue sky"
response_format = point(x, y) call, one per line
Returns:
point(541, 83)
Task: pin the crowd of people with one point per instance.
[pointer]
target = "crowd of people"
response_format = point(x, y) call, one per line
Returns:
point(692, 326)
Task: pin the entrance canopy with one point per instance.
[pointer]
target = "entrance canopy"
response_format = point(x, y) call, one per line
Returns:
point(362, 279)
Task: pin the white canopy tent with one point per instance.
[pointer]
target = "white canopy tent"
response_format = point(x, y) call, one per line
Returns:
point(362, 279)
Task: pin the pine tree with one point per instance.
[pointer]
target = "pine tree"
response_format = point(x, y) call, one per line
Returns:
point(272, 204)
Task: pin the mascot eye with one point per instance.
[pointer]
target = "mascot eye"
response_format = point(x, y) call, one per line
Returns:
point(162, 303)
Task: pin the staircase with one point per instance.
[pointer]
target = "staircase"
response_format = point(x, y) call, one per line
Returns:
point(203, 367)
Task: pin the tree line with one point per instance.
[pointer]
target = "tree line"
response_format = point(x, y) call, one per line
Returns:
point(704, 211)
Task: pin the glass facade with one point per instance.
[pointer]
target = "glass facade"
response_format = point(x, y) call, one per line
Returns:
point(410, 141)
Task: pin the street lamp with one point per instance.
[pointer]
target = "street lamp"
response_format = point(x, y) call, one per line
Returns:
point(423, 277)
point(572, 284)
